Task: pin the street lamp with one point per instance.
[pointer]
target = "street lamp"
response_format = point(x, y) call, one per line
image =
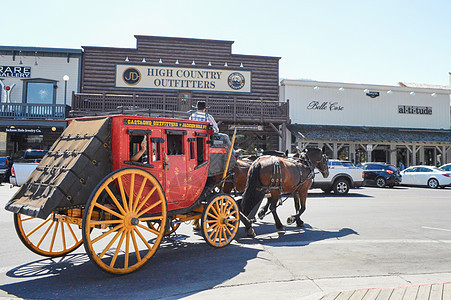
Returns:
point(66, 79)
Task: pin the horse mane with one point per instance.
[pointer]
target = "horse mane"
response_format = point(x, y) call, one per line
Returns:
point(276, 153)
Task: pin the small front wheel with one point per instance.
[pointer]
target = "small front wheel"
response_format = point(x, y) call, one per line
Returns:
point(220, 221)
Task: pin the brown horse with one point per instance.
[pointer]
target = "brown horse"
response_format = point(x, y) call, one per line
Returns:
point(278, 175)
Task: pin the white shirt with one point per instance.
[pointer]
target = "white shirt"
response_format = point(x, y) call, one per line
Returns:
point(199, 115)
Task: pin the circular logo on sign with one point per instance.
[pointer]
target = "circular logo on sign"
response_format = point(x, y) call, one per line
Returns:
point(131, 76)
point(236, 81)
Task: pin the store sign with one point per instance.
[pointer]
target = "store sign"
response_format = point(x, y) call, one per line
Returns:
point(246, 127)
point(12, 71)
point(174, 78)
point(141, 122)
point(24, 130)
point(325, 105)
point(414, 110)
point(372, 94)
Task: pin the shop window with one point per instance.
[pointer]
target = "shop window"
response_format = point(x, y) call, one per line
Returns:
point(343, 153)
point(35, 139)
point(40, 91)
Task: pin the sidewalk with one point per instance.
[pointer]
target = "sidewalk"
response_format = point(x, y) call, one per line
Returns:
point(438, 291)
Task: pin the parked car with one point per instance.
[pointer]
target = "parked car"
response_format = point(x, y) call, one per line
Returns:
point(343, 175)
point(24, 164)
point(432, 177)
point(446, 167)
point(4, 168)
point(381, 174)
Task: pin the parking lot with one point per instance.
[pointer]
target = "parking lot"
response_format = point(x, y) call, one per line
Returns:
point(373, 237)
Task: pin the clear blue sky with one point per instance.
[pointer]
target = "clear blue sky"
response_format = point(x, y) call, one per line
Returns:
point(377, 42)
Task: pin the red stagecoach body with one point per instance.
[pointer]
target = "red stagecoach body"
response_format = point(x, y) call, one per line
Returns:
point(177, 154)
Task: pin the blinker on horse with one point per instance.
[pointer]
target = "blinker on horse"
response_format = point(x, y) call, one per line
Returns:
point(278, 176)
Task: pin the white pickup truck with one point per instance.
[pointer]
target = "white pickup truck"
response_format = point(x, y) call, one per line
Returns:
point(343, 175)
point(25, 162)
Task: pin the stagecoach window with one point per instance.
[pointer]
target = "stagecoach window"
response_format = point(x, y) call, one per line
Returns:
point(175, 144)
point(156, 150)
point(138, 153)
point(192, 153)
point(200, 150)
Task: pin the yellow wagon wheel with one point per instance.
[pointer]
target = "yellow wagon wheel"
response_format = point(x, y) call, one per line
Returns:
point(115, 234)
point(47, 237)
point(174, 224)
point(220, 220)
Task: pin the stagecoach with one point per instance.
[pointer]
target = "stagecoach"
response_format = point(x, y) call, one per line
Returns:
point(90, 180)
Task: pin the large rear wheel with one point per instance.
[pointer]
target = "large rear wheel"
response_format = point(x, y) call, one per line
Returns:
point(115, 232)
point(220, 221)
point(48, 237)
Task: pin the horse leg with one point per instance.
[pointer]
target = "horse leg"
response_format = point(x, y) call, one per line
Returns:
point(303, 200)
point(300, 199)
point(273, 207)
point(295, 218)
point(250, 232)
point(263, 210)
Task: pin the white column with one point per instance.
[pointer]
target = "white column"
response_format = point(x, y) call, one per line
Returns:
point(393, 155)
point(421, 154)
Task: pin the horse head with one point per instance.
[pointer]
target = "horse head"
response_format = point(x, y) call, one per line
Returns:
point(319, 160)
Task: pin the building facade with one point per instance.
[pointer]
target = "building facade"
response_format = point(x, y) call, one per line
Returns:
point(36, 87)
point(166, 76)
point(359, 122)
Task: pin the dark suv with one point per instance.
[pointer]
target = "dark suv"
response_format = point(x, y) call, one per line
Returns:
point(380, 174)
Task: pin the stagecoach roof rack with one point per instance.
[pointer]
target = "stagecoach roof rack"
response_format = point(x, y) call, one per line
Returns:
point(132, 112)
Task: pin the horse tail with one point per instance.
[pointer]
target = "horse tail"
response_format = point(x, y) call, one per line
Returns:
point(252, 196)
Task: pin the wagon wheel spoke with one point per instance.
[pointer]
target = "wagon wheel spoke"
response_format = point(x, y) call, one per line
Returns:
point(138, 197)
point(105, 234)
point(116, 253)
point(145, 199)
point(127, 243)
point(109, 210)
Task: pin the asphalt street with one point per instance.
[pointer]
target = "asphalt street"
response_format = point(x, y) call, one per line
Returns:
point(372, 237)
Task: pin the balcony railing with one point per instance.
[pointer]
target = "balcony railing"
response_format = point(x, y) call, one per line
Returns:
point(33, 111)
point(227, 109)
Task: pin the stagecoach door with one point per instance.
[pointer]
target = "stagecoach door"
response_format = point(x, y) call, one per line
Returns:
point(174, 165)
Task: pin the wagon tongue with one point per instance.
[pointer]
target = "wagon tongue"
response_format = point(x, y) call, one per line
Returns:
point(78, 160)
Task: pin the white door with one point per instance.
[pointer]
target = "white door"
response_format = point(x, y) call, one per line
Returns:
point(408, 176)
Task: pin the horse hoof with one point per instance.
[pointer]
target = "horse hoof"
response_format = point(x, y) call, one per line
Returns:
point(281, 230)
point(290, 220)
point(300, 224)
point(196, 225)
point(250, 232)
point(261, 215)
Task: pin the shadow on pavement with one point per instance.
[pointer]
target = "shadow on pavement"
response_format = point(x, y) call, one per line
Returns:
point(176, 270)
point(293, 236)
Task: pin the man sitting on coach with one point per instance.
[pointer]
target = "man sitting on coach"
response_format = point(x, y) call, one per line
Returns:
point(201, 115)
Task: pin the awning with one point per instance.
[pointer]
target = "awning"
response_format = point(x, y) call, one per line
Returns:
point(354, 133)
